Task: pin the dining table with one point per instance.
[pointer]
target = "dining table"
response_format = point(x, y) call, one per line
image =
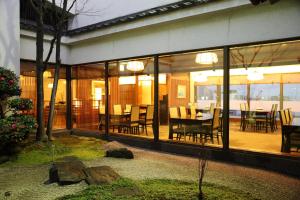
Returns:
point(188, 120)
point(287, 129)
point(256, 112)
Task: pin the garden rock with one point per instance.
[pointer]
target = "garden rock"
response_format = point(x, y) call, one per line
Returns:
point(113, 145)
point(68, 170)
point(101, 175)
point(4, 159)
point(120, 153)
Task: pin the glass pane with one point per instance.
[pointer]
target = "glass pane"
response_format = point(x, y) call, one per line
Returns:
point(131, 97)
point(188, 97)
point(264, 79)
point(88, 96)
point(28, 85)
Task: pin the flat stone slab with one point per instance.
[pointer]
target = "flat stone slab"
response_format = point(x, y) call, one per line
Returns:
point(100, 175)
point(68, 170)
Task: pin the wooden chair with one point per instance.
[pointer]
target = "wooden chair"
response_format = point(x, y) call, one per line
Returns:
point(127, 108)
point(101, 115)
point(148, 120)
point(243, 115)
point(182, 110)
point(178, 130)
point(212, 130)
point(193, 110)
point(117, 109)
point(211, 108)
point(132, 125)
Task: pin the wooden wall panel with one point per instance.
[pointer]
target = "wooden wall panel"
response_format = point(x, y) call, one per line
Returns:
point(178, 79)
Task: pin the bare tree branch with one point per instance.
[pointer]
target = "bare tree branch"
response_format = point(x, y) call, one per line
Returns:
point(35, 8)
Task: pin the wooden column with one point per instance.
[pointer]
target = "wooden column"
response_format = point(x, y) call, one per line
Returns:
point(156, 100)
point(69, 124)
point(106, 100)
point(226, 84)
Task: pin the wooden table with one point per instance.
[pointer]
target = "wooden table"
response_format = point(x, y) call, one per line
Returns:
point(287, 129)
point(257, 113)
point(189, 120)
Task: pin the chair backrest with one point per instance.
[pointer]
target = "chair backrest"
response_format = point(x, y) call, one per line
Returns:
point(149, 112)
point(290, 113)
point(193, 110)
point(117, 109)
point(287, 115)
point(211, 108)
point(247, 108)
point(242, 107)
point(128, 108)
point(102, 110)
point(135, 114)
point(182, 110)
point(173, 112)
point(283, 119)
point(216, 118)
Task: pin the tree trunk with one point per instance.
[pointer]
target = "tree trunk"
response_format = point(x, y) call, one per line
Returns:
point(1, 111)
point(54, 89)
point(40, 134)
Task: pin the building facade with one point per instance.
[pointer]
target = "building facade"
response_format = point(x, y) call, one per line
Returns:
point(171, 55)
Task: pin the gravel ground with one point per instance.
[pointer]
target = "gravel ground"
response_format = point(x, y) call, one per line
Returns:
point(28, 182)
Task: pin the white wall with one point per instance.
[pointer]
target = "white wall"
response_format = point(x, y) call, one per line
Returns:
point(245, 24)
point(28, 47)
point(10, 34)
point(100, 10)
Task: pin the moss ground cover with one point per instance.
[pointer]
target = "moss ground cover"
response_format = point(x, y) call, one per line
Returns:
point(157, 189)
point(42, 153)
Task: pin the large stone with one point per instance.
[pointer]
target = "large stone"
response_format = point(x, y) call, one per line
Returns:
point(100, 175)
point(120, 153)
point(3, 159)
point(67, 171)
point(113, 145)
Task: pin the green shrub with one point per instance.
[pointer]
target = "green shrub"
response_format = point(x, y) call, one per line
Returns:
point(16, 128)
point(20, 104)
point(8, 84)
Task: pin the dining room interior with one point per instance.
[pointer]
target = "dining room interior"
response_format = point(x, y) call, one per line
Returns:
point(264, 79)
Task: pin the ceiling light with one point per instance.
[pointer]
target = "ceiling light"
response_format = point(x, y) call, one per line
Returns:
point(135, 66)
point(206, 58)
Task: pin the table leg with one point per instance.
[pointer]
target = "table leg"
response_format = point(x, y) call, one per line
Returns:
point(170, 130)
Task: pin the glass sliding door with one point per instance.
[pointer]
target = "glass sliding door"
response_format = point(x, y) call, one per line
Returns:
point(131, 97)
point(263, 80)
point(190, 97)
point(88, 96)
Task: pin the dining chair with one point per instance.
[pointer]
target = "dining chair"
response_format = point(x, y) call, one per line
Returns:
point(178, 129)
point(182, 110)
point(289, 135)
point(243, 115)
point(290, 114)
point(211, 108)
point(127, 108)
point(212, 130)
point(148, 120)
point(117, 109)
point(101, 115)
point(287, 115)
point(173, 112)
point(132, 125)
point(193, 110)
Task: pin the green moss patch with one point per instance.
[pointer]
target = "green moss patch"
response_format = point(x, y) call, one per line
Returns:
point(126, 189)
point(66, 145)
